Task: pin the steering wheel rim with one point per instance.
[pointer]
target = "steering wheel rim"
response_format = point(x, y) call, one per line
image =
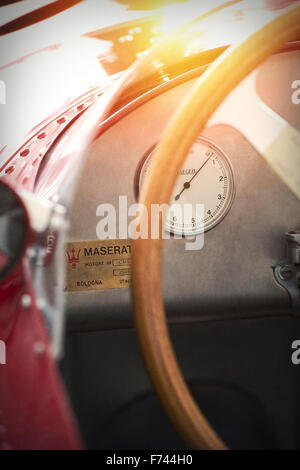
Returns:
point(149, 314)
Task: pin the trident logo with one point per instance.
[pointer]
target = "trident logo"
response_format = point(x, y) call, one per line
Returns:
point(74, 259)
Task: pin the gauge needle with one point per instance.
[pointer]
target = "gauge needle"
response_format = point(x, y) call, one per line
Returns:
point(187, 184)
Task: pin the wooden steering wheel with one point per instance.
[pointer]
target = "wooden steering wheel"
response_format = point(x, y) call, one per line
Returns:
point(150, 319)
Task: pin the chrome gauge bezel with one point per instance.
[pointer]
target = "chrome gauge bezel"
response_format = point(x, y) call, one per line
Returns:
point(232, 184)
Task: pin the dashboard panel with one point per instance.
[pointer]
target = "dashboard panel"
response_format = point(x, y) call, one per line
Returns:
point(224, 279)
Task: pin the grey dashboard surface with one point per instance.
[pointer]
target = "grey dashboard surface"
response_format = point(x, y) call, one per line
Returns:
point(231, 276)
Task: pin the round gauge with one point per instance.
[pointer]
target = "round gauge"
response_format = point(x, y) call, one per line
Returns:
point(206, 178)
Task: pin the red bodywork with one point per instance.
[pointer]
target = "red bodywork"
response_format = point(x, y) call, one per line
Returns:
point(35, 413)
point(34, 409)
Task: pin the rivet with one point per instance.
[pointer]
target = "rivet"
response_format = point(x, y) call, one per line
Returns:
point(39, 348)
point(286, 272)
point(26, 301)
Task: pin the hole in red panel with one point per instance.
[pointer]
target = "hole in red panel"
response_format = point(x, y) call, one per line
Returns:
point(24, 153)
point(42, 135)
point(9, 170)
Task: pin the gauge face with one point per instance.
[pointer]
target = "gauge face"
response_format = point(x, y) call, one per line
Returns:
point(206, 178)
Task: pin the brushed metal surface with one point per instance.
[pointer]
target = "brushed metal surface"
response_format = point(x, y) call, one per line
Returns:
point(231, 277)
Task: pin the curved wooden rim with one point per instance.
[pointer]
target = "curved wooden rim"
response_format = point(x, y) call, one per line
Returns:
point(150, 319)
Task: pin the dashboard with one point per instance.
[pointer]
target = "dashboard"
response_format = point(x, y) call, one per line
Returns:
point(247, 209)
